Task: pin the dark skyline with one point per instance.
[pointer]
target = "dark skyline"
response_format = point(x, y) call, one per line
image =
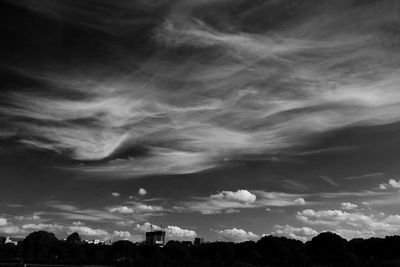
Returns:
point(221, 119)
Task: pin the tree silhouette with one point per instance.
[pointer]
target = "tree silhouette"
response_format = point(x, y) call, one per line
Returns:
point(74, 239)
point(40, 247)
point(325, 250)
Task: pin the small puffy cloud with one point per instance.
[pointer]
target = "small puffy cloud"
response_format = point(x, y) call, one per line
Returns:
point(115, 194)
point(172, 232)
point(393, 183)
point(142, 192)
point(146, 227)
point(348, 206)
point(300, 201)
point(11, 230)
point(393, 219)
point(177, 233)
point(122, 235)
point(3, 221)
point(299, 233)
point(382, 186)
point(88, 231)
point(243, 196)
point(236, 235)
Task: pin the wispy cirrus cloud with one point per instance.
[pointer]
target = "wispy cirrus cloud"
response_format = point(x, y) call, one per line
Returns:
point(72, 212)
point(42, 226)
point(126, 212)
point(239, 92)
point(136, 208)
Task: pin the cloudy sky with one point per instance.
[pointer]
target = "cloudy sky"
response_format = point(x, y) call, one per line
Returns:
point(220, 119)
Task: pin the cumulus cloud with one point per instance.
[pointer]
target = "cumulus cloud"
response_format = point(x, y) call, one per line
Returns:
point(391, 184)
point(240, 196)
point(3, 221)
point(353, 233)
point(328, 217)
point(352, 222)
point(146, 227)
point(383, 187)
point(19, 228)
point(236, 235)
point(300, 233)
point(88, 231)
point(233, 201)
point(348, 206)
point(9, 228)
point(300, 201)
point(172, 232)
point(142, 192)
point(125, 235)
point(240, 92)
point(115, 194)
point(177, 233)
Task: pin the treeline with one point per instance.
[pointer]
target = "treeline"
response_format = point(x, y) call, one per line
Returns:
point(326, 249)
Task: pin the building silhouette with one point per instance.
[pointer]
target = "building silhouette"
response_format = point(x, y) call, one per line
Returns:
point(10, 240)
point(198, 241)
point(155, 238)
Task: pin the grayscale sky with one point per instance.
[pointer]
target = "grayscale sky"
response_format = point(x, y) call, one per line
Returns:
point(221, 119)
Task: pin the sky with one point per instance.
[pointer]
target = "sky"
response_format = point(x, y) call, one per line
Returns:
point(221, 119)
